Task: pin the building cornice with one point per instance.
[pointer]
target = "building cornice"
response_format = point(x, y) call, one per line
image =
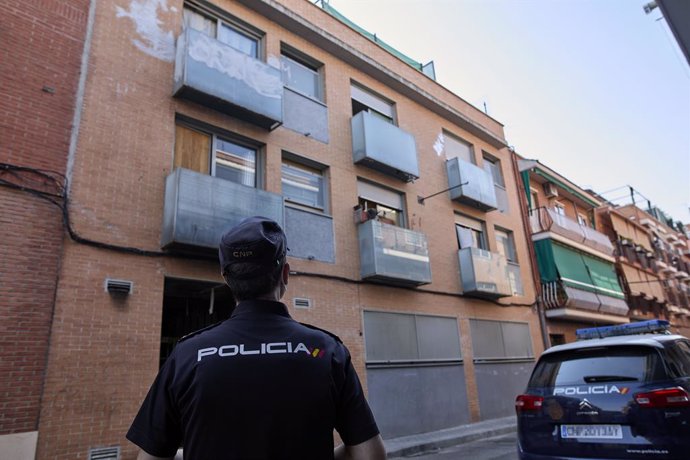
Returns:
point(320, 37)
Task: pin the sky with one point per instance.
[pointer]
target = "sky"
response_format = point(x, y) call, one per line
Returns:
point(597, 90)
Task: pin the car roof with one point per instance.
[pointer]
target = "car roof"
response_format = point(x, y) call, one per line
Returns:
point(649, 340)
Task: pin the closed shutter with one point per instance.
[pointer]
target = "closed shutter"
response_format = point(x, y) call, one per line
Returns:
point(192, 149)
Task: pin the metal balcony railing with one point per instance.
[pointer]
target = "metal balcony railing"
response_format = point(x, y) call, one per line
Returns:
point(485, 274)
point(393, 255)
point(548, 220)
point(198, 208)
point(384, 147)
point(471, 185)
point(216, 75)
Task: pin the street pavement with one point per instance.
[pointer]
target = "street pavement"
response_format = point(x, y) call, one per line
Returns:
point(435, 441)
point(495, 448)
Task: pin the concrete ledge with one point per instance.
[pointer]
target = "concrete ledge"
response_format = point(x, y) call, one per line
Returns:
point(407, 445)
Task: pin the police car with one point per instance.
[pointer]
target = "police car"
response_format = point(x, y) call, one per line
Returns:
point(618, 392)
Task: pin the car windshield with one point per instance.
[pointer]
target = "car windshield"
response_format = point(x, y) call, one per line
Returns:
point(605, 364)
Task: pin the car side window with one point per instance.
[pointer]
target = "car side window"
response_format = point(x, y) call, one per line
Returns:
point(681, 357)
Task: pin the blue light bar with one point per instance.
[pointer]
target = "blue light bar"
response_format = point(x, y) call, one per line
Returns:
point(653, 326)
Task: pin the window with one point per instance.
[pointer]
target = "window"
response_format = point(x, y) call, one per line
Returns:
point(535, 198)
point(234, 162)
point(493, 167)
point(580, 367)
point(220, 155)
point(387, 203)
point(303, 184)
point(457, 148)
point(559, 208)
point(301, 73)
point(506, 244)
point(582, 220)
point(364, 100)
point(470, 233)
point(231, 32)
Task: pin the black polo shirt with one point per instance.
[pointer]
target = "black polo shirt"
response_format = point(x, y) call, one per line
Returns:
point(257, 386)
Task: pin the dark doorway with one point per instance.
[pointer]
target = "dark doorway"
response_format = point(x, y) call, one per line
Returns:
point(190, 305)
point(557, 339)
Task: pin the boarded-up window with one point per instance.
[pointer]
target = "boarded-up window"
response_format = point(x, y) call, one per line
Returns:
point(398, 337)
point(192, 149)
point(500, 339)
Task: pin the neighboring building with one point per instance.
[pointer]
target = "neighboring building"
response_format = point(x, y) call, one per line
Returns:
point(653, 259)
point(579, 285)
point(40, 54)
point(197, 114)
point(677, 16)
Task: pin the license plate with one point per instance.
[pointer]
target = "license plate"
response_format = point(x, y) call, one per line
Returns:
point(591, 432)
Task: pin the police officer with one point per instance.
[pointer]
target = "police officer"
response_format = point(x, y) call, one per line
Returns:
point(259, 385)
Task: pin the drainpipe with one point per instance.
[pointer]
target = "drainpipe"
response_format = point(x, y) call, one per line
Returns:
point(522, 199)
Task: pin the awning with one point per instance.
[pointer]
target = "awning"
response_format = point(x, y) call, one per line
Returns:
point(637, 281)
point(525, 181)
point(655, 288)
point(629, 230)
point(576, 269)
point(545, 261)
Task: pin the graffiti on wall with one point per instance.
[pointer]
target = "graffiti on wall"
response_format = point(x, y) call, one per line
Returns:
point(150, 38)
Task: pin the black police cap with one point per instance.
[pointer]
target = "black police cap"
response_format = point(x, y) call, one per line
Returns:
point(257, 240)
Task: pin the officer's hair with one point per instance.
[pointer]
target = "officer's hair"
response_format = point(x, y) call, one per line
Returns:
point(247, 289)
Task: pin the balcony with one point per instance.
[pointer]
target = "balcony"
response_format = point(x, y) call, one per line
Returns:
point(305, 115)
point(471, 185)
point(216, 75)
point(547, 220)
point(384, 147)
point(393, 255)
point(198, 208)
point(565, 302)
point(484, 273)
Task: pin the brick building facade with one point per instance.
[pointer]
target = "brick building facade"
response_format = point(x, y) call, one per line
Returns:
point(198, 113)
point(40, 55)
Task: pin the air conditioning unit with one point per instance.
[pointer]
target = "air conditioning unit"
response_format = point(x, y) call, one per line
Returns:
point(550, 190)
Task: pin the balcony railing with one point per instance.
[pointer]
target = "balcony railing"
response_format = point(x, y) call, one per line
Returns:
point(214, 74)
point(471, 185)
point(393, 255)
point(484, 273)
point(199, 208)
point(566, 302)
point(384, 147)
point(547, 220)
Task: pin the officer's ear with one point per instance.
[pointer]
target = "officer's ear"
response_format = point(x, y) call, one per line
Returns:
point(285, 274)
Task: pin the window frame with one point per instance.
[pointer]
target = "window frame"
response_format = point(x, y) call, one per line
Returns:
point(214, 133)
point(559, 208)
point(308, 166)
point(310, 64)
point(511, 244)
point(496, 167)
point(230, 140)
point(222, 17)
point(460, 140)
point(366, 202)
point(376, 97)
point(482, 234)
